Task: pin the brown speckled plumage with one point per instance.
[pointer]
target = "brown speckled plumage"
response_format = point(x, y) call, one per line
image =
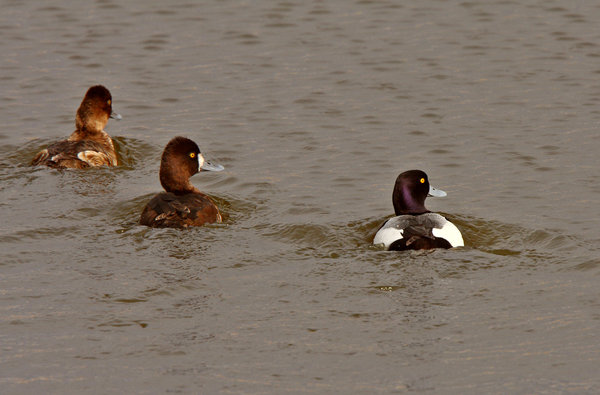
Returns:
point(182, 204)
point(89, 145)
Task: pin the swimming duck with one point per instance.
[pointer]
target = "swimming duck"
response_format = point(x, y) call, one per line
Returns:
point(89, 145)
point(415, 227)
point(182, 204)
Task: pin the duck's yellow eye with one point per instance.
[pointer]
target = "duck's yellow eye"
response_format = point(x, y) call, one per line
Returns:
point(422, 181)
point(192, 155)
point(109, 101)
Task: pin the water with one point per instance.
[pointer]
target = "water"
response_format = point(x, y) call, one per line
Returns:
point(313, 108)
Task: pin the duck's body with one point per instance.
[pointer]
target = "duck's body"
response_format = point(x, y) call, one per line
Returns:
point(182, 204)
point(418, 232)
point(168, 210)
point(89, 145)
point(415, 227)
point(78, 154)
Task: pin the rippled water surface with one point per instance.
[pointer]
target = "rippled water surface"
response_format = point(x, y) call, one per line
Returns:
point(313, 107)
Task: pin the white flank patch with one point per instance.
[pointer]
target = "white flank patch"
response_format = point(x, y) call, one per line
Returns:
point(93, 158)
point(451, 233)
point(387, 235)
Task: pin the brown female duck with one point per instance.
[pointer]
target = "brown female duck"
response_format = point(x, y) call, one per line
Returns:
point(182, 204)
point(89, 145)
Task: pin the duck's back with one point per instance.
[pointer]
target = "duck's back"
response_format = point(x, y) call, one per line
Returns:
point(77, 154)
point(418, 232)
point(179, 211)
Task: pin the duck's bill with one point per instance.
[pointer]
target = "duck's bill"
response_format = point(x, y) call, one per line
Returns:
point(436, 192)
point(211, 166)
point(116, 116)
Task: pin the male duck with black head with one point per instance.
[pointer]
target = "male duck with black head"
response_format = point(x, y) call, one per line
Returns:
point(415, 227)
point(182, 204)
point(89, 145)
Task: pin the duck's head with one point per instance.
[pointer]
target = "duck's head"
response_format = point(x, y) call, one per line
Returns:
point(410, 191)
point(94, 110)
point(180, 160)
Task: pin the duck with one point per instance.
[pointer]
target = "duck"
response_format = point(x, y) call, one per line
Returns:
point(181, 205)
point(89, 145)
point(415, 227)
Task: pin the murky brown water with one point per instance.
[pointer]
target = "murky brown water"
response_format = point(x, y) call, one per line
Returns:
point(314, 108)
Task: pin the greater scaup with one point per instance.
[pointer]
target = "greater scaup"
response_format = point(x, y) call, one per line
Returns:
point(182, 204)
point(89, 145)
point(415, 227)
